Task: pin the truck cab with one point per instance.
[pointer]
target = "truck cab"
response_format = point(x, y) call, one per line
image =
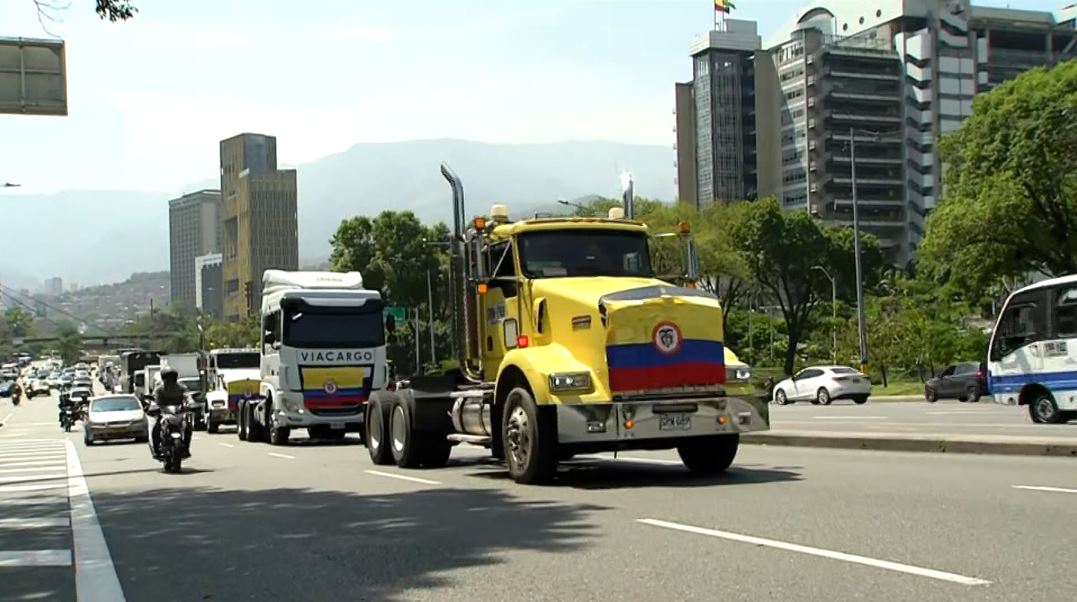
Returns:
point(322, 353)
point(569, 342)
point(232, 375)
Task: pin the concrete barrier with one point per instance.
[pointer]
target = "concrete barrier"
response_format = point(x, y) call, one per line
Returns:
point(956, 444)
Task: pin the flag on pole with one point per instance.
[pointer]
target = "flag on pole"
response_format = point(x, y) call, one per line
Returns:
point(724, 6)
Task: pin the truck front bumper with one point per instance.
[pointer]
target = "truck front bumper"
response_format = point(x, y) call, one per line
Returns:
point(622, 423)
point(296, 416)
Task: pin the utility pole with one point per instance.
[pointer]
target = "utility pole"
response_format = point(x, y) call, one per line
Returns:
point(833, 312)
point(152, 327)
point(430, 309)
point(856, 250)
point(418, 359)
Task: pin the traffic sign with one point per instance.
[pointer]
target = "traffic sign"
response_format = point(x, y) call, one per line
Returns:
point(33, 76)
point(399, 314)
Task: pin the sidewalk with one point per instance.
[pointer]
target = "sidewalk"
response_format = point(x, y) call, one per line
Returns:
point(936, 443)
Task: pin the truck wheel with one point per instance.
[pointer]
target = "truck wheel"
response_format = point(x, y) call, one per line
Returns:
point(530, 446)
point(406, 447)
point(709, 454)
point(212, 427)
point(277, 435)
point(241, 423)
point(1044, 410)
point(376, 425)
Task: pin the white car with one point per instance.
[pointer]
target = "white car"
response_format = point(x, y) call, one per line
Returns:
point(115, 417)
point(36, 387)
point(824, 384)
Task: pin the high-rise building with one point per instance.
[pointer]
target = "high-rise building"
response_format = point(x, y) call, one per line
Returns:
point(54, 287)
point(716, 117)
point(893, 77)
point(209, 293)
point(261, 229)
point(194, 226)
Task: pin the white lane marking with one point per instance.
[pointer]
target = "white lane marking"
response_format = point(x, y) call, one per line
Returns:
point(24, 462)
point(6, 418)
point(35, 558)
point(638, 459)
point(30, 446)
point(792, 547)
point(1043, 488)
point(225, 445)
point(33, 477)
point(54, 423)
point(285, 456)
point(33, 501)
point(5, 470)
point(37, 487)
point(850, 417)
point(402, 477)
point(26, 450)
point(95, 575)
point(34, 523)
point(964, 412)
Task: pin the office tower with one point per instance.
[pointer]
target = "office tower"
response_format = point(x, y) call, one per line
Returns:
point(261, 229)
point(715, 117)
point(54, 287)
point(209, 293)
point(894, 77)
point(194, 226)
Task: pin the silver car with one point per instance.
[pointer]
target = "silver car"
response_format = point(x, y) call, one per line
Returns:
point(115, 417)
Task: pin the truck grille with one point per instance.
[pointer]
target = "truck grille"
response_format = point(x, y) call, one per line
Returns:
point(342, 411)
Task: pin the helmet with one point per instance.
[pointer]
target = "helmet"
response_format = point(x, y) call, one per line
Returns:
point(169, 374)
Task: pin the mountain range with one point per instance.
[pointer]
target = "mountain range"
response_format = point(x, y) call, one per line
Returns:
point(92, 237)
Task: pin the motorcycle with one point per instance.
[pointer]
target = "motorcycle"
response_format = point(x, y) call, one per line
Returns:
point(172, 424)
point(16, 398)
point(68, 417)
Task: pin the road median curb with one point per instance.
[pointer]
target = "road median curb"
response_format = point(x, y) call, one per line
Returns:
point(955, 444)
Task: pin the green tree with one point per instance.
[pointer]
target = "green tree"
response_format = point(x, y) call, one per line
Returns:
point(781, 251)
point(1010, 201)
point(18, 322)
point(110, 10)
point(70, 344)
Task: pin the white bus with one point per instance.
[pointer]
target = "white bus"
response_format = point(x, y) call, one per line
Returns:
point(1032, 359)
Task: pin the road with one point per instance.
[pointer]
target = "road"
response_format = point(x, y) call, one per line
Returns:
point(919, 417)
point(317, 522)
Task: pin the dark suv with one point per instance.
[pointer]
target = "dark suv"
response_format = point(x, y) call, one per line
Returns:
point(965, 381)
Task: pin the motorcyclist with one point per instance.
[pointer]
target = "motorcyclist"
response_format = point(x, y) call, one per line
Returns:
point(16, 393)
point(65, 404)
point(169, 393)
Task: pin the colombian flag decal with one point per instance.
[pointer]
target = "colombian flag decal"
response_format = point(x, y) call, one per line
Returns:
point(667, 360)
point(336, 386)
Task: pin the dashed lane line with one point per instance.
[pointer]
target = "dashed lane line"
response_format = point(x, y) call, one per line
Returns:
point(285, 456)
point(1045, 488)
point(402, 477)
point(95, 575)
point(792, 547)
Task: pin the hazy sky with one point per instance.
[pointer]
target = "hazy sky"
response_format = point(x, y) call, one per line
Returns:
point(151, 98)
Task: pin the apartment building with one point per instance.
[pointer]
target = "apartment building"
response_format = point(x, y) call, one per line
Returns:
point(886, 80)
point(260, 223)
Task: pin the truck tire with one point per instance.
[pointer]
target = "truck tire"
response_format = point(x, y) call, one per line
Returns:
point(376, 427)
point(256, 431)
point(241, 422)
point(708, 455)
point(405, 445)
point(212, 427)
point(530, 445)
point(276, 435)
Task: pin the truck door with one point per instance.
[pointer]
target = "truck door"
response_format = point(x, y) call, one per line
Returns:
point(499, 306)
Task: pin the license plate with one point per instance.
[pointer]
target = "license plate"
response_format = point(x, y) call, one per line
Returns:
point(676, 421)
point(339, 426)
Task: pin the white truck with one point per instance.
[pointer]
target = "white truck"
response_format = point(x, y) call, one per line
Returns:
point(322, 353)
point(231, 376)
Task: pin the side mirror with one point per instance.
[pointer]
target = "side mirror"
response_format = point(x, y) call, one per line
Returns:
point(275, 344)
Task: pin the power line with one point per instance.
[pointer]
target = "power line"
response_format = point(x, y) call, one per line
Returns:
point(7, 290)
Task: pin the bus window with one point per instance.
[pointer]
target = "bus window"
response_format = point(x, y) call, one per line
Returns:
point(1022, 323)
point(1066, 312)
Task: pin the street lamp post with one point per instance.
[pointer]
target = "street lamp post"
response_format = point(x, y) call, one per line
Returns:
point(833, 312)
point(10, 185)
point(856, 251)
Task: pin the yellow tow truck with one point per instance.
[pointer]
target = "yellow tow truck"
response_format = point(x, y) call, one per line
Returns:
point(568, 343)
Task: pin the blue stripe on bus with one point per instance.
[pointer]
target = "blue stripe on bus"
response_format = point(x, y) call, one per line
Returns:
point(1012, 383)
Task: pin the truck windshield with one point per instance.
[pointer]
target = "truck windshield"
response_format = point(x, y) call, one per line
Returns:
point(315, 328)
point(232, 361)
point(561, 253)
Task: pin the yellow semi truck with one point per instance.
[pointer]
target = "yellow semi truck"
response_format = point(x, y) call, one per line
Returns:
point(567, 343)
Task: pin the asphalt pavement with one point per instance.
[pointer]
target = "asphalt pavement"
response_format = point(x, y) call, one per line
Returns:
point(915, 417)
point(315, 521)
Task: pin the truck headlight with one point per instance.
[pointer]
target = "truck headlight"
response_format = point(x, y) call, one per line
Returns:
point(290, 404)
point(742, 373)
point(570, 381)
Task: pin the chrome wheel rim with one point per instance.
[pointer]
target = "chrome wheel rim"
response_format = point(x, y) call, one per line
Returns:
point(374, 431)
point(399, 429)
point(518, 437)
point(1044, 409)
